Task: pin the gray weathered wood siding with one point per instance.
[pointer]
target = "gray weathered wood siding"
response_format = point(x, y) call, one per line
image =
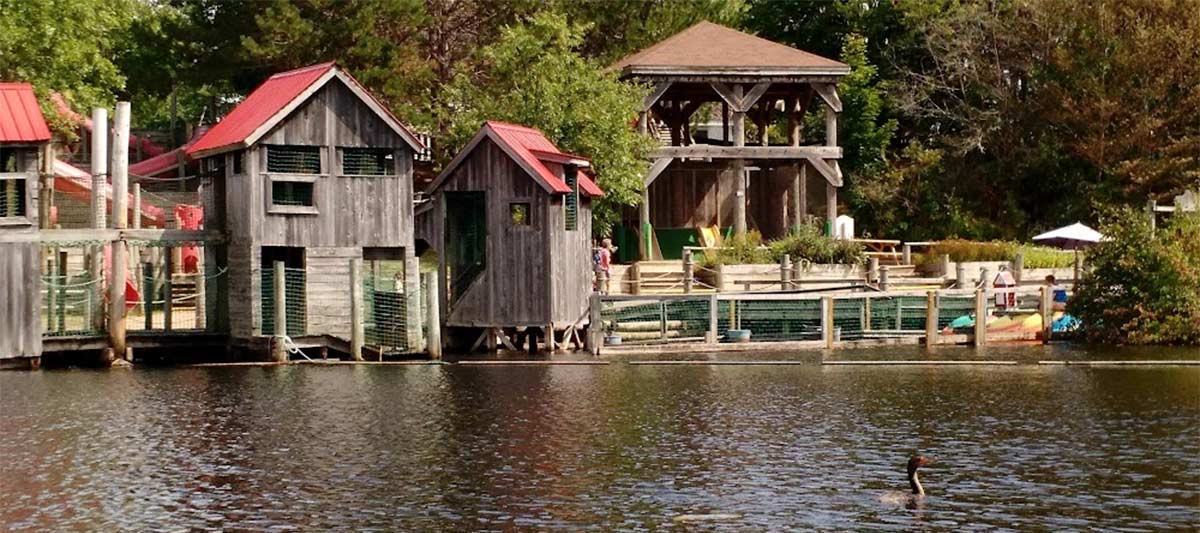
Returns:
point(20, 306)
point(571, 260)
point(512, 290)
point(351, 212)
point(21, 271)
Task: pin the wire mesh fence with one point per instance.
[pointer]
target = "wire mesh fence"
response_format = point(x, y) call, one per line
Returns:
point(771, 320)
point(657, 320)
point(295, 312)
point(72, 291)
point(385, 310)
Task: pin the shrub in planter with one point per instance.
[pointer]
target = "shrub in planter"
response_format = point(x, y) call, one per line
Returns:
point(810, 244)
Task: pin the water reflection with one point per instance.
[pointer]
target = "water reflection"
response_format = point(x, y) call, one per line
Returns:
point(617, 447)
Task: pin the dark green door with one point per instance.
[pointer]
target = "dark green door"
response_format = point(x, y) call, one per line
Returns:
point(466, 240)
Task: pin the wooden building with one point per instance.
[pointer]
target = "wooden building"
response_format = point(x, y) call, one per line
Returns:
point(24, 139)
point(730, 181)
point(313, 171)
point(511, 219)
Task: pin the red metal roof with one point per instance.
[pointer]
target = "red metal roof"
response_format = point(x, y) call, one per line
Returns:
point(262, 104)
point(528, 144)
point(21, 119)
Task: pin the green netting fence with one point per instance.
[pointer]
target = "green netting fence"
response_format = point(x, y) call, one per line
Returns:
point(72, 305)
point(771, 320)
point(385, 313)
point(656, 320)
point(294, 292)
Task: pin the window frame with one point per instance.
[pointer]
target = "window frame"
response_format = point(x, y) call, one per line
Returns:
point(340, 153)
point(283, 209)
point(322, 165)
point(23, 195)
point(529, 218)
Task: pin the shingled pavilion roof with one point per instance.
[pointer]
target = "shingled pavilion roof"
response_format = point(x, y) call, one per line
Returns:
point(707, 48)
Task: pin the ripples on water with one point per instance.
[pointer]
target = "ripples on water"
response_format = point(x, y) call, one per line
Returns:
point(604, 448)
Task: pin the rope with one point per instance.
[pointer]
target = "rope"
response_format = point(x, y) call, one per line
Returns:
point(47, 281)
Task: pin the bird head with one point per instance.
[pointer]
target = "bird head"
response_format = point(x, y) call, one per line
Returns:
point(917, 461)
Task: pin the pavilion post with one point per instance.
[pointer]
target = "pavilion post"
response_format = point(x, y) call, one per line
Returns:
point(739, 165)
point(831, 139)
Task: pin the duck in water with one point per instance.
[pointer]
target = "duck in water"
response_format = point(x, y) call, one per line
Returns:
point(912, 498)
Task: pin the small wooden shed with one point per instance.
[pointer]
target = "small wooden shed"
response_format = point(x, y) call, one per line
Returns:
point(313, 171)
point(511, 219)
point(24, 137)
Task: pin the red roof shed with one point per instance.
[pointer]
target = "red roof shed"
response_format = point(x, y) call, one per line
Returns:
point(21, 119)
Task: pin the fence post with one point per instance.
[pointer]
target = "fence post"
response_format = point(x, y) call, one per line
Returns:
point(872, 269)
point(148, 295)
point(884, 278)
point(1047, 310)
point(279, 286)
point(201, 297)
point(689, 272)
point(720, 276)
point(434, 317)
point(827, 320)
point(1018, 267)
point(907, 254)
point(931, 318)
point(960, 275)
point(984, 273)
point(785, 272)
point(356, 309)
point(945, 266)
point(61, 305)
point(1078, 273)
point(713, 307)
point(168, 287)
point(595, 324)
point(980, 317)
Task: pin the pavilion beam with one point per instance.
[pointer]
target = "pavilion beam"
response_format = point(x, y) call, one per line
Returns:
point(747, 152)
point(655, 95)
point(828, 92)
point(656, 169)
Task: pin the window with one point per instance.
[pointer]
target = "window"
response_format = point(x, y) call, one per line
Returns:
point(519, 213)
point(294, 159)
point(10, 160)
point(239, 162)
point(293, 193)
point(368, 162)
point(12, 197)
point(572, 201)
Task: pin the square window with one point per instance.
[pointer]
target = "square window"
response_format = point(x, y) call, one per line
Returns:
point(12, 198)
point(294, 159)
point(292, 193)
point(368, 162)
point(520, 214)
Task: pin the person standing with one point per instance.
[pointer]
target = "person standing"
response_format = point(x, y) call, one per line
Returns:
point(604, 265)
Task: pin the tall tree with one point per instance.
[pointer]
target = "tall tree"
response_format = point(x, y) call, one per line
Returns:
point(535, 76)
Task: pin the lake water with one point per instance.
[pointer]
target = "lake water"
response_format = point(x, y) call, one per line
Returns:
point(617, 447)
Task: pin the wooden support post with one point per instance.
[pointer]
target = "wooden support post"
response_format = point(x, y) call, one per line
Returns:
point(1046, 308)
point(147, 295)
point(116, 299)
point(980, 317)
point(120, 168)
point(867, 314)
point(168, 288)
point(796, 187)
point(884, 278)
point(201, 297)
point(689, 273)
point(662, 320)
point(984, 275)
point(830, 209)
point(61, 308)
point(46, 186)
point(719, 276)
point(960, 276)
point(738, 166)
point(1018, 267)
point(595, 331)
point(551, 342)
point(931, 318)
point(357, 332)
point(872, 270)
point(646, 242)
point(906, 254)
point(1151, 207)
point(785, 272)
point(827, 321)
point(945, 266)
point(99, 167)
point(1078, 272)
point(279, 292)
point(803, 193)
point(713, 308)
point(433, 317)
point(96, 290)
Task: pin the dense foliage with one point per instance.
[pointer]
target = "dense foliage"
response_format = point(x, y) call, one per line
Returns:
point(1142, 285)
point(808, 243)
point(961, 250)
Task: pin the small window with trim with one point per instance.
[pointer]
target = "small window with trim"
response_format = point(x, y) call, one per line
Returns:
point(572, 200)
point(520, 214)
point(368, 161)
point(292, 193)
point(291, 159)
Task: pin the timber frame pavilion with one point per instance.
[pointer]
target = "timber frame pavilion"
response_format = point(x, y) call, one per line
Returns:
point(691, 182)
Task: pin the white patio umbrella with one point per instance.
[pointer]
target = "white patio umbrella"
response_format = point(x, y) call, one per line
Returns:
point(1071, 237)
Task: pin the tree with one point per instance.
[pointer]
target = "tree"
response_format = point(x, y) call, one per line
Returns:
point(617, 28)
point(536, 77)
point(65, 46)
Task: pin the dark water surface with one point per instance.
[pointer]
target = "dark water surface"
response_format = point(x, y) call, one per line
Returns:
point(618, 447)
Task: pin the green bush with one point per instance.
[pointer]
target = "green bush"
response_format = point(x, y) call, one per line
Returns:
point(1142, 286)
point(961, 250)
point(807, 244)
